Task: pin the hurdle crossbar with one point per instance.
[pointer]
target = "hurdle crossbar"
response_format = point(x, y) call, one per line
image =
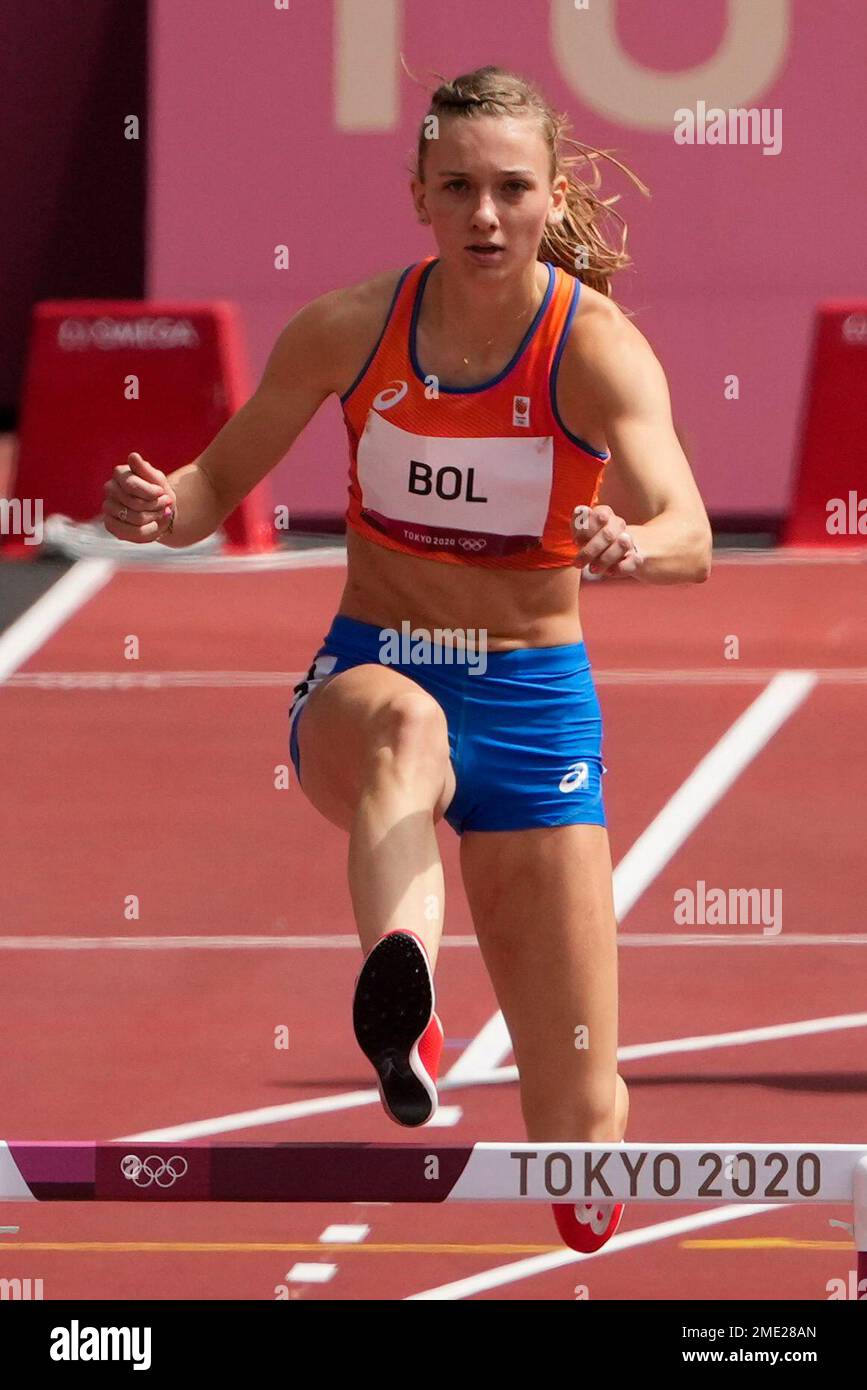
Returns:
point(47, 1171)
point(484, 1172)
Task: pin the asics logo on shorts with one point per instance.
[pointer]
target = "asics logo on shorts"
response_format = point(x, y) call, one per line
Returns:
point(577, 776)
point(162, 1172)
point(390, 395)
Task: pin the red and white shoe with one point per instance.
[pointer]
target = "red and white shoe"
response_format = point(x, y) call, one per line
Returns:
point(396, 1026)
point(587, 1226)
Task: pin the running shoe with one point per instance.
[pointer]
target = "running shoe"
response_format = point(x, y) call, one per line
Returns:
point(397, 1028)
point(587, 1226)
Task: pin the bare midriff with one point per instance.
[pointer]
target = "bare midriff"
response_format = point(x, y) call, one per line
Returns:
point(515, 608)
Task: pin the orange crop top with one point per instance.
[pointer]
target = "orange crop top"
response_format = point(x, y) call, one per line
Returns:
point(481, 475)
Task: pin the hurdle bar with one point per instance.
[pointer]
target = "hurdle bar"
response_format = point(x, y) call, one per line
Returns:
point(484, 1172)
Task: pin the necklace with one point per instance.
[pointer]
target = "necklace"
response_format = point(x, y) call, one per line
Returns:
point(487, 344)
point(525, 313)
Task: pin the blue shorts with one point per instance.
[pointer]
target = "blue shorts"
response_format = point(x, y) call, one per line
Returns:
point(525, 728)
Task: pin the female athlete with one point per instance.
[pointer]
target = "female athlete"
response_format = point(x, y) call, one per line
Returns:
point(484, 391)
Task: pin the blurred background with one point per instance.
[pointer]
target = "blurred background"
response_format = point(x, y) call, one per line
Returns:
point(253, 157)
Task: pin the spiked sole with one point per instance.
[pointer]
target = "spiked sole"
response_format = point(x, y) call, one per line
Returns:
point(392, 1008)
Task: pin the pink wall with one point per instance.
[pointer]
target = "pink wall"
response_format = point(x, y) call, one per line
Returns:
point(295, 126)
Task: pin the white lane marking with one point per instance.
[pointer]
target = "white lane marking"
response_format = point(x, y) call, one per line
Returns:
point(447, 1117)
point(243, 680)
point(703, 788)
point(489, 1076)
point(151, 680)
point(50, 611)
point(337, 942)
point(251, 1119)
point(785, 938)
point(344, 1235)
point(310, 1273)
point(482, 1055)
point(195, 943)
point(325, 557)
point(830, 675)
point(743, 1037)
point(792, 555)
point(707, 784)
point(630, 1240)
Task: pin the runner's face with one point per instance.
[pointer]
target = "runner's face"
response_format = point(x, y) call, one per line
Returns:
point(487, 183)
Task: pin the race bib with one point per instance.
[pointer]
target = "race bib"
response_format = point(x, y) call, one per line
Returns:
point(488, 496)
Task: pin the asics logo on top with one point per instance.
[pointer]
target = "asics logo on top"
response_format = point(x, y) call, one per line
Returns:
point(390, 395)
point(577, 776)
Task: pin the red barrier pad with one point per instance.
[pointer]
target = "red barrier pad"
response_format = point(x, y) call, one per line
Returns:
point(829, 503)
point(106, 377)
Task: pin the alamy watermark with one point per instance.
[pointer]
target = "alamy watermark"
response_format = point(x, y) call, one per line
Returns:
point(22, 517)
point(23, 1290)
point(732, 907)
point(737, 126)
point(77, 1343)
point(439, 646)
point(847, 516)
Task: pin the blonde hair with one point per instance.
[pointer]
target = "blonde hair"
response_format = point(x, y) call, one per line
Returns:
point(579, 242)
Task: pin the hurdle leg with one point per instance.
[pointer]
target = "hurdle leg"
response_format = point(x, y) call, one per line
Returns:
point(859, 1193)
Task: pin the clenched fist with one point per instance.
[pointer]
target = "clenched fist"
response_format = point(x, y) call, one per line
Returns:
point(606, 545)
point(139, 504)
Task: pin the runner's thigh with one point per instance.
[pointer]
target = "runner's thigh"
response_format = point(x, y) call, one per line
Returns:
point(348, 717)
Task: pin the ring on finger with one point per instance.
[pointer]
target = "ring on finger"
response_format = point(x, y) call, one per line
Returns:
point(123, 513)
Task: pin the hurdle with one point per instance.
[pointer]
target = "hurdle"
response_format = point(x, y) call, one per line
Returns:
point(114, 1171)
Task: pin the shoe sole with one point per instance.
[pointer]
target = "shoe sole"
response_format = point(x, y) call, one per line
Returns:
point(576, 1228)
point(392, 1008)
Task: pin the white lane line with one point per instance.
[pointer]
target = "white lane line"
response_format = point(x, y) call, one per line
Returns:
point(50, 611)
point(792, 555)
point(150, 680)
point(251, 1119)
point(242, 680)
point(707, 784)
point(344, 1234)
point(317, 557)
point(630, 1240)
point(310, 1273)
point(446, 1117)
point(704, 787)
point(785, 938)
point(841, 675)
point(346, 942)
point(744, 1037)
point(194, 943)
point(487, 1076)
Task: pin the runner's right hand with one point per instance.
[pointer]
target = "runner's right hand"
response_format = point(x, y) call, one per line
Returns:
point(139, 503)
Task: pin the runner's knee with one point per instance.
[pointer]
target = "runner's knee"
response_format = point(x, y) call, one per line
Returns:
point(410, 736)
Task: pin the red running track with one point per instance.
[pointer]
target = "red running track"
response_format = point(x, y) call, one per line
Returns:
point(167, 793)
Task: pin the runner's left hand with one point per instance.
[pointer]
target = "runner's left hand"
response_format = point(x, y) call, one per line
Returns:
point(606, 545)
